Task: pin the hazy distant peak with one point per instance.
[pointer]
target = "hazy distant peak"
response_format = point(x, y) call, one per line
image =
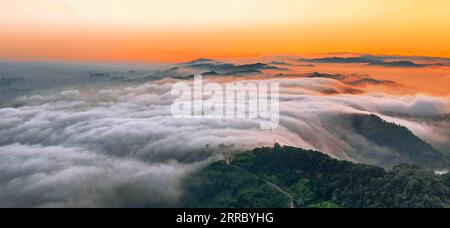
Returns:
point(201, 60)
point(367, 59)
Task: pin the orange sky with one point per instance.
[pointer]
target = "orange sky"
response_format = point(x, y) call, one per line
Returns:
point(178, 30)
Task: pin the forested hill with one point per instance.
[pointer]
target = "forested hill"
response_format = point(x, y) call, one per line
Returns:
point(401, 142)
point(292, 177)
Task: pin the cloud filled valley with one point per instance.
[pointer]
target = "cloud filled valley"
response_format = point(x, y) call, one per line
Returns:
point(113, 145)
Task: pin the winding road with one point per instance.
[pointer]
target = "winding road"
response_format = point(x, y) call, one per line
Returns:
point(271, 184)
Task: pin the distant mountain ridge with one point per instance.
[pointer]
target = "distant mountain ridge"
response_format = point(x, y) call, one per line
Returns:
point(369, 60)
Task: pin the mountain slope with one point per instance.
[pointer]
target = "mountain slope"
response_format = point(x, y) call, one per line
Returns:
point(314, 179)
point(399, 139)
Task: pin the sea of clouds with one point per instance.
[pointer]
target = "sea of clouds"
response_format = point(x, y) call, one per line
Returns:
point(121, 147)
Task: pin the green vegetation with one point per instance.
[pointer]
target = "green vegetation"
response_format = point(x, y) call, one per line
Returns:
point(312, 179)
point(224, 186)
point(399, 139)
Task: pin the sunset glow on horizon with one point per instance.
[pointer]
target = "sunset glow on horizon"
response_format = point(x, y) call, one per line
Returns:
point(224, 104)
point(168, 31)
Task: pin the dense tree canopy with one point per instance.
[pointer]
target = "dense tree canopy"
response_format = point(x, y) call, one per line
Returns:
point(312, 179)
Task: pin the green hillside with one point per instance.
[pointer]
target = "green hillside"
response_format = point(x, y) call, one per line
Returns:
point(292, 177)
point(405, 146)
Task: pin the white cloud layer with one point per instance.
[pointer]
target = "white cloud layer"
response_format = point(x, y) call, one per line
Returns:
point(121, 146)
